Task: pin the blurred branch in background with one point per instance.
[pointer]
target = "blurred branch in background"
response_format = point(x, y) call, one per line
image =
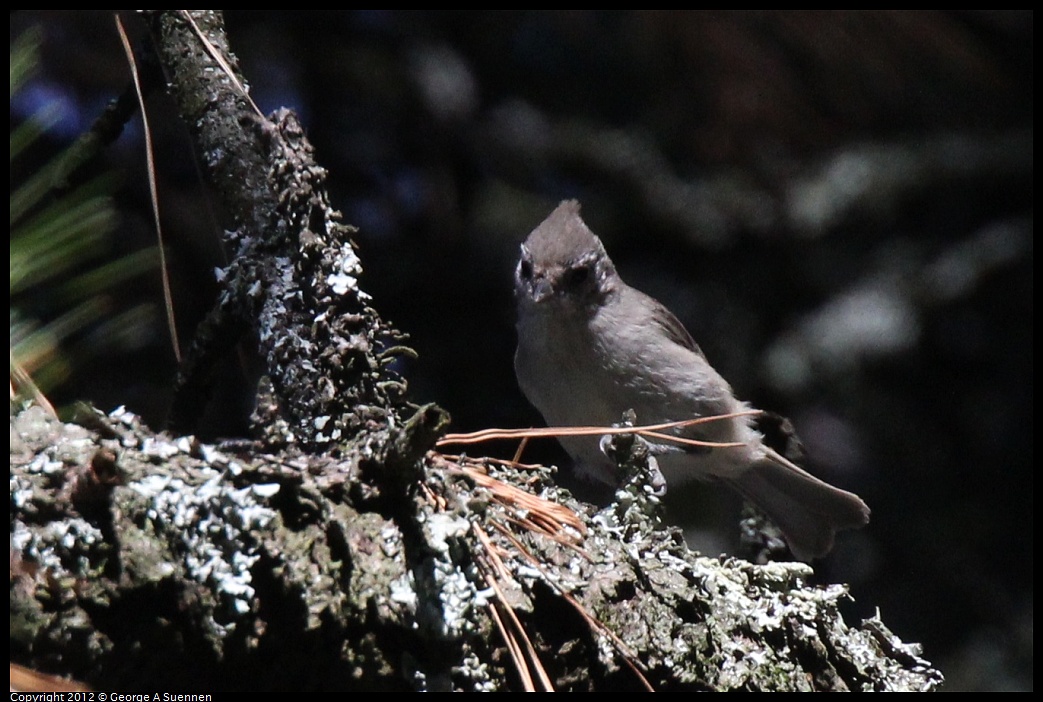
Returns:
point(62, 303)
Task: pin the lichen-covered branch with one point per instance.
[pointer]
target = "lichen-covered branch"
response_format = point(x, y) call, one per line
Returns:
point(294, 281)
point(145, 561)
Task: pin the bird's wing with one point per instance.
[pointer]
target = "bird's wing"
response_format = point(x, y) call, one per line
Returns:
point(672, 327)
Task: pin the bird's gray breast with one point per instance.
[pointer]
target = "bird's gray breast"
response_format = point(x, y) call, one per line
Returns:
point(559, 371)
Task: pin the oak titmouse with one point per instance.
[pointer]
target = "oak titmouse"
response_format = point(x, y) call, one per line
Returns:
point(590, 347)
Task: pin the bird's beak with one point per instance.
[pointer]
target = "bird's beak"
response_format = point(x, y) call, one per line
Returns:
point(541, 290)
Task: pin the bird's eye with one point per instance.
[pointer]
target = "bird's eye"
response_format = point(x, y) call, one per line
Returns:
point(577, 276)
point(525, 269)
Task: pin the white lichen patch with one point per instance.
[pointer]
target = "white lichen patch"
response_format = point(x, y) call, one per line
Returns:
point(160, 449)
point(457, 595)
point(453, 586)
point(473, 669)
point(58, 547)
point(124, 416)
point(391, 541)
point(340, 283)
point(440, 527)
point(214, 522)
point(403, 591)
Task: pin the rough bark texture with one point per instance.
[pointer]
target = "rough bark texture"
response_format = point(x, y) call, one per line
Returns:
point(347, 554)
point(294, 279)
point(144, 561)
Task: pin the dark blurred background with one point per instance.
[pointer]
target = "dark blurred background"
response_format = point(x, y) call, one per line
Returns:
point(838, 206)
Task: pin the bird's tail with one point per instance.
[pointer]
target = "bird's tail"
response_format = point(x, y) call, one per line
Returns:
point(809, 511)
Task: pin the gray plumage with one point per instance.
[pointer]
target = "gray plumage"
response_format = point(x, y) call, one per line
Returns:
point(591, 347)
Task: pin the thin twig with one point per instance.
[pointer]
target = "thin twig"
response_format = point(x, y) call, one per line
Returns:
point(629, 656)
point(530, 650)
point(27, 384)
point(220, 59)
point(651, 430)
point(168, 298)
point(555, 515)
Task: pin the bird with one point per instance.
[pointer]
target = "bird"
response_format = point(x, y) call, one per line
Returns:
point(591, 348)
